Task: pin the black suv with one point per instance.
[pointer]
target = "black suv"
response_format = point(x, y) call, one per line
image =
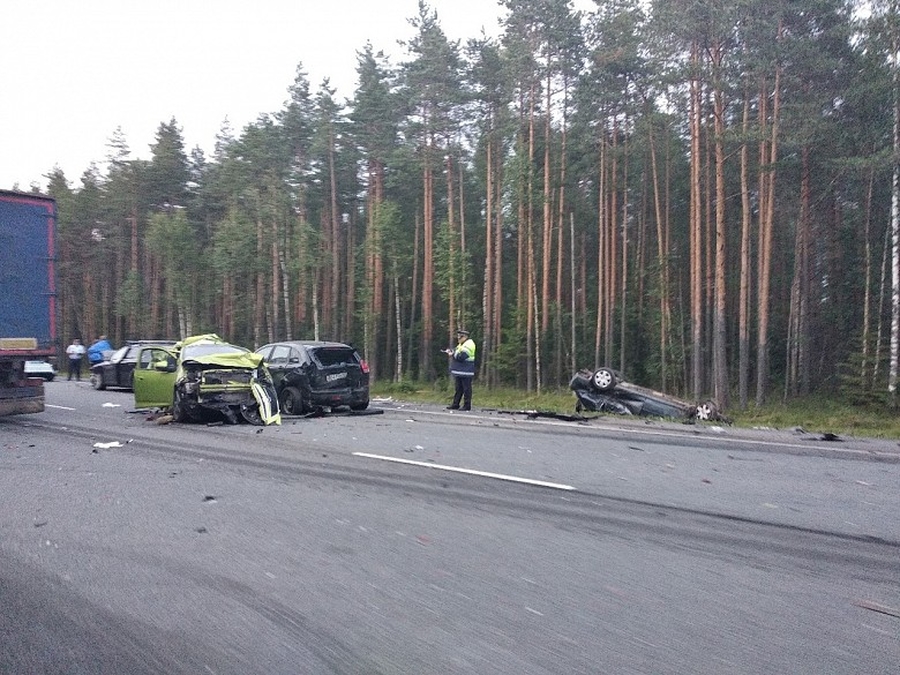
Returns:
point(310, 374)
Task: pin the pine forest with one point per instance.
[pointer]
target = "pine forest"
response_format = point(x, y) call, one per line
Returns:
point(700, 194)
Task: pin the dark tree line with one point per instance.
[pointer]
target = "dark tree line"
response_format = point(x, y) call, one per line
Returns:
point(696, 192)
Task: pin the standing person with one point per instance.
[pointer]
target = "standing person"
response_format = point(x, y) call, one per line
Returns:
point(75, 352)
point(95, 351)
point(462, 368)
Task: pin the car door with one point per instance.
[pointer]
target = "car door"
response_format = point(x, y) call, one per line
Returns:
point(277, 361)
point(114, 371)
point(154, 378)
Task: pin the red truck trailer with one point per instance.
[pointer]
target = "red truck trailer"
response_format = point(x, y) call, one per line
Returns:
point(27, 296)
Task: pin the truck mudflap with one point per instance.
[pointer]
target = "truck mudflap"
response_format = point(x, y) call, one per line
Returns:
point(21, 398)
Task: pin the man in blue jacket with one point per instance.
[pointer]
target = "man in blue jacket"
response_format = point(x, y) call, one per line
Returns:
point(462, 368)
point(96, 350)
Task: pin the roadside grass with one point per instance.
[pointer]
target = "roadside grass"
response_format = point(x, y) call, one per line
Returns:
point(813, 414)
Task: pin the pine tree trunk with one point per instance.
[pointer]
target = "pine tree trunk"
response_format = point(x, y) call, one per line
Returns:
point(696, 232)
point(744, 299)
point(768, 157)
point(720, 335)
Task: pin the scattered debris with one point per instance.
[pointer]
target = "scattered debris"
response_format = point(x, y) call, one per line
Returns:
point(534, 414)
point(107, 446)
point(827, 436)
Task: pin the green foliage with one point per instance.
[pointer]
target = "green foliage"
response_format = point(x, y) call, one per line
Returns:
point(172, 240)
point(128, 296)
point(623, 75)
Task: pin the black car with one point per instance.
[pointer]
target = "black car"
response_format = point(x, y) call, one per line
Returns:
point(117, 370)
point(603, 390)
point(311, 374)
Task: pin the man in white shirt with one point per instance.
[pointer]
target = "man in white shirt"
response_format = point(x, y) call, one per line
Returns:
point(75, 352)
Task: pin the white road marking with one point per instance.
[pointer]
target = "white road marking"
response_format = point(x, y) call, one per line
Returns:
point(58, 407)
point(471, 472)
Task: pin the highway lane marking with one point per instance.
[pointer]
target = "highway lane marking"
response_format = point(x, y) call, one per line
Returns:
point(471, 472)
point(58, 407)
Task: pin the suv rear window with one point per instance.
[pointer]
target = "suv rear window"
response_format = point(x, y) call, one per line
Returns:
point(335, 356)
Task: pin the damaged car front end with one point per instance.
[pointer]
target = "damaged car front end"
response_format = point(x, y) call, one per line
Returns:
point(204, 378)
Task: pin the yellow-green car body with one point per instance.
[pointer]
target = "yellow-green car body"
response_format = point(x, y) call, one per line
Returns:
point(203, 377)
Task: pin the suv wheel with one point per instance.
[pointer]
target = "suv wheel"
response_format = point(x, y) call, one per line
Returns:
point(292, 401)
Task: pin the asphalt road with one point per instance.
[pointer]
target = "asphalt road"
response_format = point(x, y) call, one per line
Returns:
point(423, 541)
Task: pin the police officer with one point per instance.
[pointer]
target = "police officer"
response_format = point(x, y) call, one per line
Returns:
point(462, 368)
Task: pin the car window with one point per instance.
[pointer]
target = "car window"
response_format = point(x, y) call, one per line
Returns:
point(146, 359)
point(119, 354)
point(335, 356)
point(280, 354)
point(264, 351)
point(205, 349)
point(150, 357)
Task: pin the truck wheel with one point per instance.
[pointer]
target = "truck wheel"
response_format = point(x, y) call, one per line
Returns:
point(97, 382)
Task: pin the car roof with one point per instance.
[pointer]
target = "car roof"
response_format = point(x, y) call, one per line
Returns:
point(309, 343)
point(150, 342)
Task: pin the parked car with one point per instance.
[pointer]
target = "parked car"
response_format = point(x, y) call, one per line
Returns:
point(205, 378)
point(310, 374)
point(117, 369)
point(40, 369)
point(603, 390)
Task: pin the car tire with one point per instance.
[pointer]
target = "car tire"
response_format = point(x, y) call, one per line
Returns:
point(360, 406)
point(604, 379)
point(179, 412)
point(250, 413)
point(97, 382)
point(291, 401)
point(707, 411)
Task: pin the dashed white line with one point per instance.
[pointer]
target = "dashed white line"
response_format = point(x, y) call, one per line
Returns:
point(58, 407)
point(471, 472)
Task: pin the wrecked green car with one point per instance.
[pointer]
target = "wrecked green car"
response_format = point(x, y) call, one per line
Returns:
point(204, 378)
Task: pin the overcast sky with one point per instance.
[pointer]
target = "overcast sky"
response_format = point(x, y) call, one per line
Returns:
point(76, 70)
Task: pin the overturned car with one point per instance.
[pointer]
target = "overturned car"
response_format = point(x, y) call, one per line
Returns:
point(204, 378)
point(603, 390)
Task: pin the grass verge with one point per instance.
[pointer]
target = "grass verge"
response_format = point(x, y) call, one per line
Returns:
point(814, 414)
